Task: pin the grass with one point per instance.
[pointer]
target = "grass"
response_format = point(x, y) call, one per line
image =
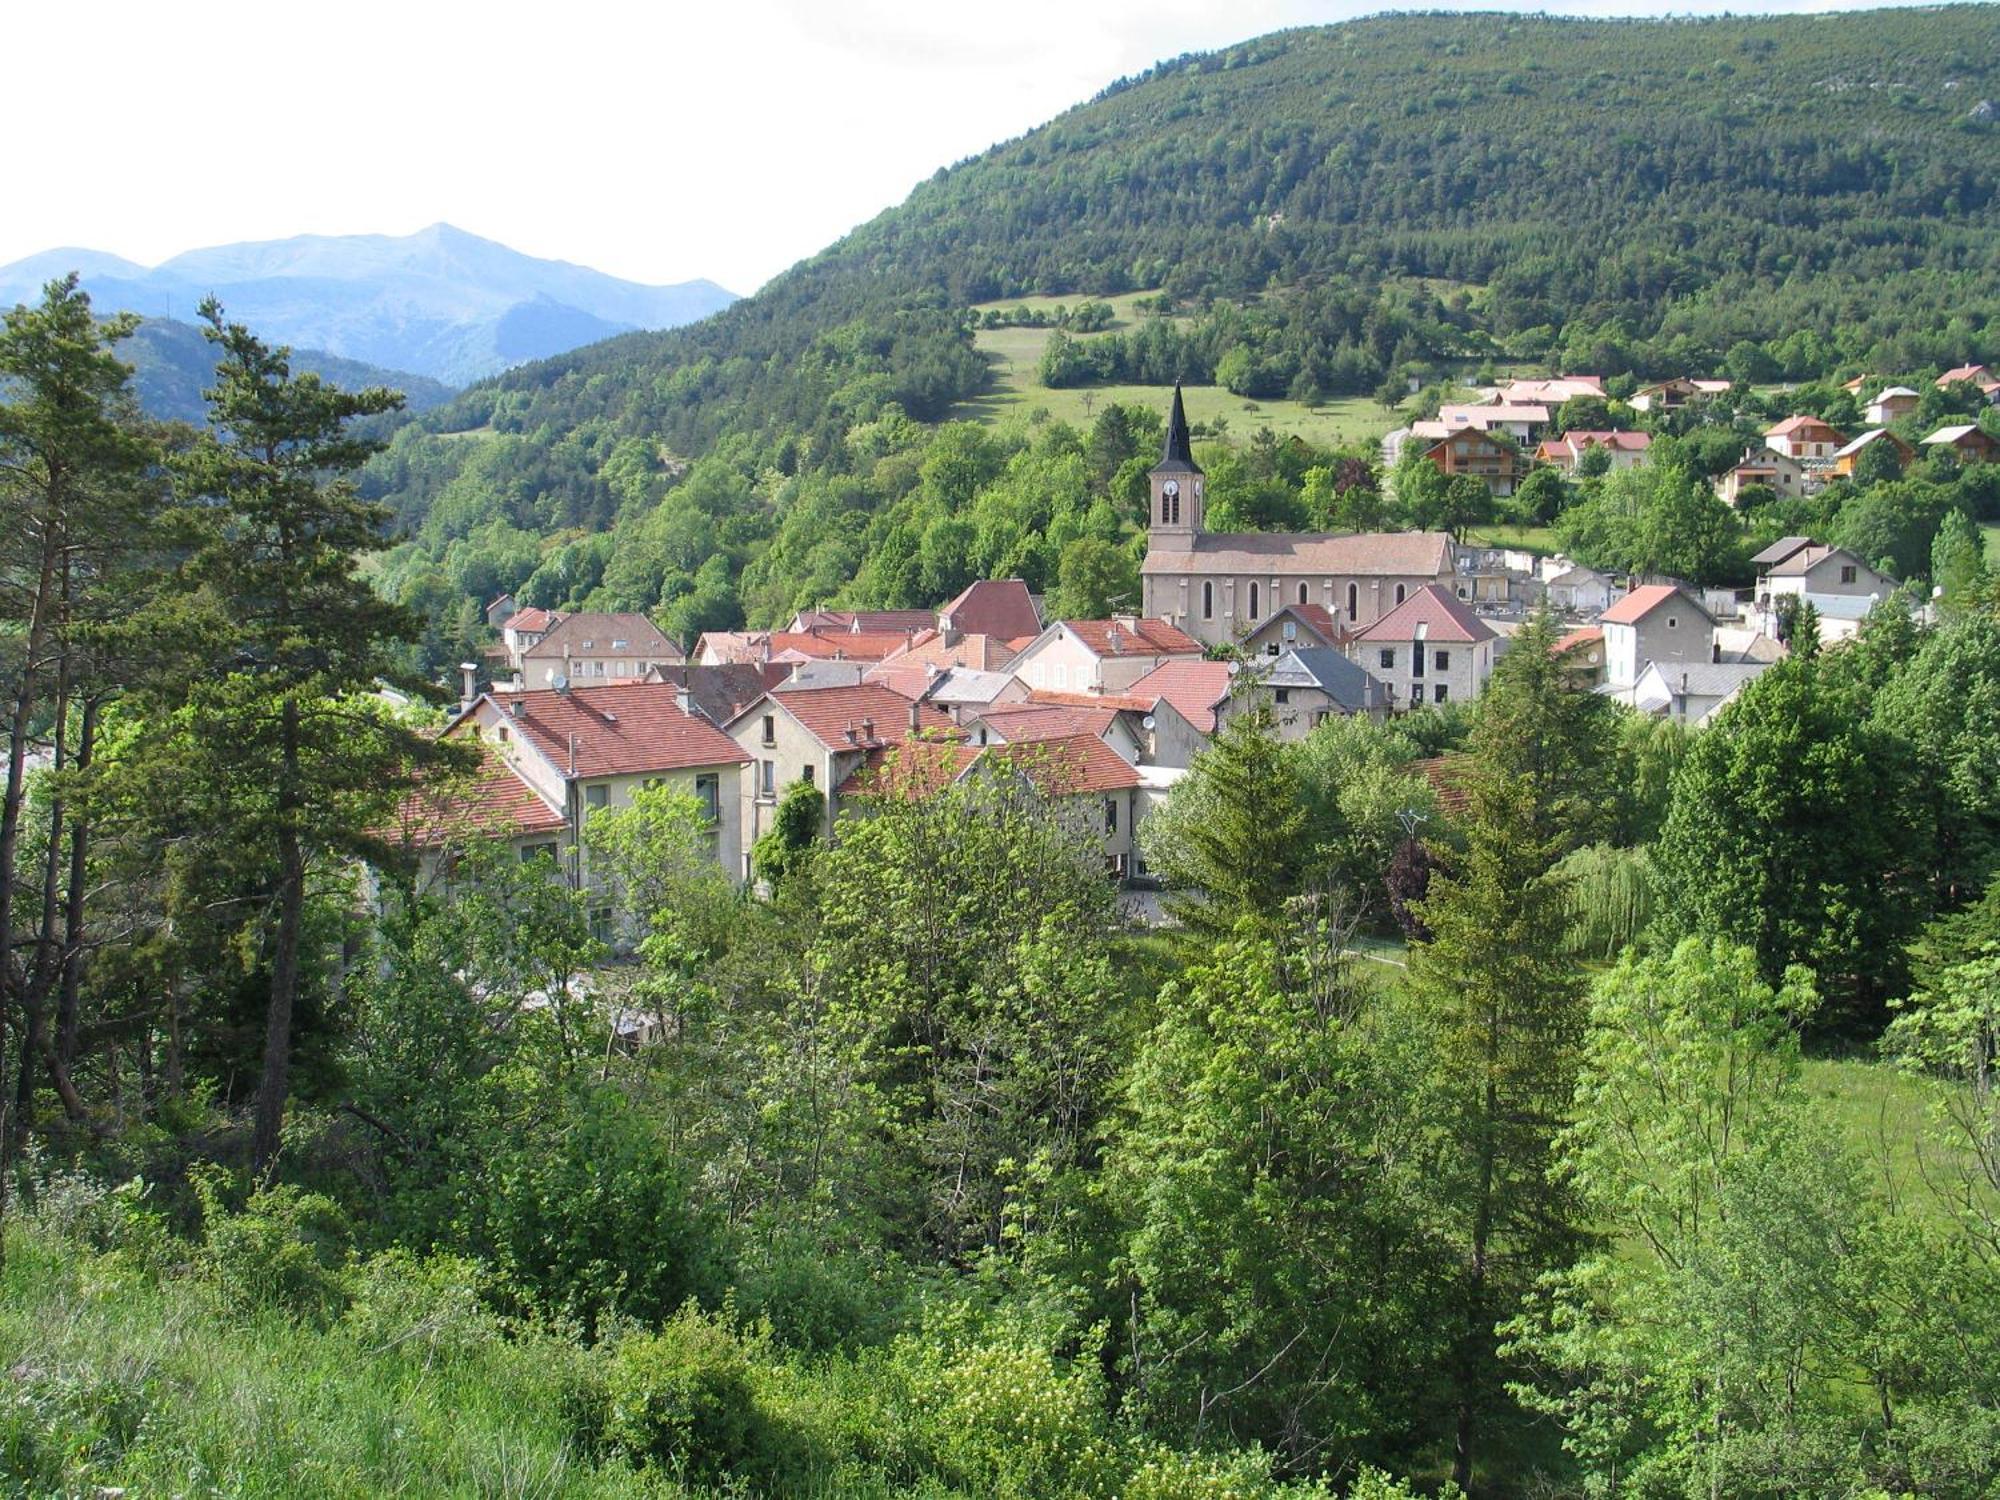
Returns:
point(1014, 355)
point(1883, 1114)
point(1537, 539)
point(1990, 530)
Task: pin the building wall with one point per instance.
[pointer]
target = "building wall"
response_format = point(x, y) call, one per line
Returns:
point(1064, 665)
point(1627, 648)
point(792, 754)
point(1391, 663)
point(1177, 598)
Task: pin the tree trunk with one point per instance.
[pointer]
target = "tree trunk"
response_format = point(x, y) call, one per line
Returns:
point(1478, 1323)
point(67, 1019)
point(285, 956)
point(41, 977)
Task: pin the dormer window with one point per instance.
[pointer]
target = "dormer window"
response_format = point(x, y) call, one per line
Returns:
point(621, 645)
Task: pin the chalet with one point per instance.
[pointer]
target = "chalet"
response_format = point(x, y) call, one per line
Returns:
point(818, 735)
point(1488, 458)
point(1849, 457)
point(1429, 649)
point(1805, 438)
point(1101, 656)
point(1311, 684)
point(1672, 395)
point(587, 648)
point(1550, 392)
point(1978, 375)
point(1972, 444)
point(1779, 473)
point(1521, 421)
point(1890, 404)
point(1659, 622)
point(1627, 450)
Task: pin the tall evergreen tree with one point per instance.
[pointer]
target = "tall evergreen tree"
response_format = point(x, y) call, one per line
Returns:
point(276, 742)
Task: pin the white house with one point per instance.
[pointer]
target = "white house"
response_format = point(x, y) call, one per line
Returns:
point(1100, 656)
point(1655, 623)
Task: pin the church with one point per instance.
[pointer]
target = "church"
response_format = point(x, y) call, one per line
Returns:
point(1219, 586)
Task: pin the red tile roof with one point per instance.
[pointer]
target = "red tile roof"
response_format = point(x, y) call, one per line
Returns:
point(1444, 773)
point(1069, 766)
point(1443, 618)
point(909, 769)
point(620, 729)
point(528, 621)
point(594, 635)
point(1000, 607)
point(1066, 766)
point(1133, 637)
point(1018, 723)
point(1588, 635)
point(1974, 373)
point(1641, 602)
point(983, 653)
point(1131, 701)
point(829, 713)
point(1800, 424)
point(1193, 687)
point(864, 621)
point(490, 802)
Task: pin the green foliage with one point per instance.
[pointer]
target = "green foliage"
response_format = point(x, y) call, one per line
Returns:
point(786, 847)
point(686, 1397)
point(1610, 899)
point(284, 1249)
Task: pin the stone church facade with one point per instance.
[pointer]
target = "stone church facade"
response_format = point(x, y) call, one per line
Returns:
point(1219, 587)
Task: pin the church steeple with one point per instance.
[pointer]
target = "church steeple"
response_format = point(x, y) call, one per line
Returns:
point(1176, 485)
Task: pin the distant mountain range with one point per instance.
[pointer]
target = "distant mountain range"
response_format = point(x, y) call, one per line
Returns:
point(173, 363)
point(439, 303)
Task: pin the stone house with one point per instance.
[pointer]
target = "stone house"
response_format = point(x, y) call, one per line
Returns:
point(1429, 649)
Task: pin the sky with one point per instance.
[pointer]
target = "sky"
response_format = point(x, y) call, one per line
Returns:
point(658, 140)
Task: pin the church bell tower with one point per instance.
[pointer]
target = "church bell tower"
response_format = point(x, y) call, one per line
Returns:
point(1176, 488)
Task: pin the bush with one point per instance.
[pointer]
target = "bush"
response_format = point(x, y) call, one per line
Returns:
point(687, 1397)
point(285, 1249)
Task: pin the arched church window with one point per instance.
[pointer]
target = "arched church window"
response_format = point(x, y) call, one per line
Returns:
point(1399, 593)
point(1208, 600)
point(1353, 601)
point(1305, 593)
point(1253, 601)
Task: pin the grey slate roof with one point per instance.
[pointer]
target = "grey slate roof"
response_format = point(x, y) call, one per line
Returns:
point(1333, 674)
point(1177, 456)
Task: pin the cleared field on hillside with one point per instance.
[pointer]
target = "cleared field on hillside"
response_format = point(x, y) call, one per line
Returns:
point(1015, 354)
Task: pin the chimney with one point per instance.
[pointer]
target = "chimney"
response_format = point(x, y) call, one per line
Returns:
point(684, 700)
point(916, 715)
point(868, 729)
point(950, 634)
point(468, 678)
point(516, 707)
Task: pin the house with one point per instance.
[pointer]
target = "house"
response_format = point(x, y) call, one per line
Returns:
point(1626, 449)
point(1310, 684)
point(718, 646)
point(1672, 395)
point(818, 735)
point(1295, 625)
point(1805, 438)
point(861, 621)
point(1164, 734)
point(499, 610)
point(591, 647)
point(1578, 590)
point(1079, 773)
point(1429, 649)
point(964, 693)
point(1695, 692)
point(583, 749)
point(1221, 587)
point(1581, 655)
point(1551, 392)
point(1521, 421)
point(998, 607)
point(1970, 443)
point(1778, 551)
point(718, 693)
point(1028, 722)
point(1659, 622)
point(524, 627)
point(1480, 454)
point(1491, 575)
point(1845, 461)
point(1100, 656)
point(1779, 473)
point(1199, 690)
point(1890, 403)
point(490, 804)
point(950, 648)
point(1978, 375)
point(1832, 579)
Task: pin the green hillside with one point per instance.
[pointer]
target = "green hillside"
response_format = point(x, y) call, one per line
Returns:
point(1319, 214)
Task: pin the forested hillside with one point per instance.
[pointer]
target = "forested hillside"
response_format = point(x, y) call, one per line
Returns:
point(1320, 212)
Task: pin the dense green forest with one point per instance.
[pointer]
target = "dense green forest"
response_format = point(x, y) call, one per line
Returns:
point(1530, 1098)
point(1318, 213)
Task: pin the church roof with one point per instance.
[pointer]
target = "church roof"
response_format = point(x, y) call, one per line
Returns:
point(1361, 554)
point(1177, 457)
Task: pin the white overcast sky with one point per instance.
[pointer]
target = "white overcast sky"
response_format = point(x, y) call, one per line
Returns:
point(658, 141)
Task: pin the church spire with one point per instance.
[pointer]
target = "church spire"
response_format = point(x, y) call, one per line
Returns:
point(1177, 455)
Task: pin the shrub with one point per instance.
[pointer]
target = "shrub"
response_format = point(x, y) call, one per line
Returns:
point(687, 1397)
point(285, 1249)
point(427, 1308)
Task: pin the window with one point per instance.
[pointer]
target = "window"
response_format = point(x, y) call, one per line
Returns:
point(1400, 593)
point(1417, 660)
point(600, 924)
point(1110, 814)
point(1847, 573)
point(621, 645)
point(597, 796)
point(806, 774)
point(770, 729)
point(1443, 662)
point(708, 792)
point(767, 785)
point(1208, 601)
point(503, 734)
point(1438, 692)
point(530, 853)
point(1416, 692)
point(1353, 600)
point(1304, 593)
point(1321, 716)
point(1291, 630)
point(1270, 648)
point(1284, 695)
point(1673, 622)
point(1253, 601)
point(1386, 658)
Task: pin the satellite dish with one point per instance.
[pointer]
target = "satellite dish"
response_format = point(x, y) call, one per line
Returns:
point(559, 682)
point(1147, 722)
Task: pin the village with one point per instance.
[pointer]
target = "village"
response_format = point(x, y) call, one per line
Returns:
point(576, 711)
